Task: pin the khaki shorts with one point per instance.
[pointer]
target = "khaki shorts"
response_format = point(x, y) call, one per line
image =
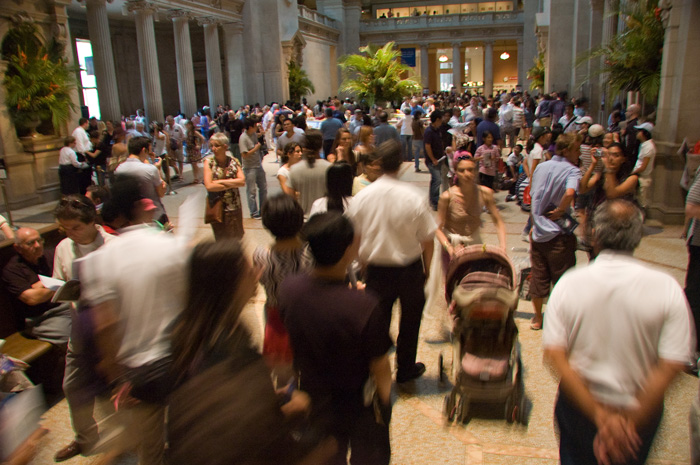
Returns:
point(549, 261)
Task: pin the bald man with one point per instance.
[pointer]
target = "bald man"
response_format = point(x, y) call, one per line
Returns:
point(629, 134)
point(36, 314)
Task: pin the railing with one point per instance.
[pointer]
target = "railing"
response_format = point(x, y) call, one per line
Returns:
point(453, 20)
point(315, 16)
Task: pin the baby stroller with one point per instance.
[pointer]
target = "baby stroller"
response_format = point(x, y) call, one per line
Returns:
point(482, 290)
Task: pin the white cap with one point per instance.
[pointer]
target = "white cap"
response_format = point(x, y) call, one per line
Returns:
point(584, 119)
point(648, 126)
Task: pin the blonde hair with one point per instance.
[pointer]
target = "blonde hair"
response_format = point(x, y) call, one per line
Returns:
point(566, 140)
point(364, 135)
point(219, 138)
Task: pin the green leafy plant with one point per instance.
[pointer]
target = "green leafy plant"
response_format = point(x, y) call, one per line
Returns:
point(632, 59)
point(299, 83)
point(38, 81)
point(536, 73)
point(375, 75)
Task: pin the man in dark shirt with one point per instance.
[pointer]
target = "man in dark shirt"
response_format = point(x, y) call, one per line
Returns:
point(340, 344)
point(329, 127)
point(234, 127)
point(489, 124)
point(446, 142)
point(629, 135)
point(33, 308)
point(434, 151)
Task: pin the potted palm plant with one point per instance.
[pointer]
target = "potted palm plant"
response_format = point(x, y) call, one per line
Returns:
point(376, 75)
point(38, 80)
point(299, 83)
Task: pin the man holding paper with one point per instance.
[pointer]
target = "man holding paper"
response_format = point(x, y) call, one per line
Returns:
point(40, 318)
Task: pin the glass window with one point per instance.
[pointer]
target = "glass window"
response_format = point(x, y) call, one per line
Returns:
point(445, 81)
point(87, 77)
point(485, 7)
point(470, 8)
point(504, 6)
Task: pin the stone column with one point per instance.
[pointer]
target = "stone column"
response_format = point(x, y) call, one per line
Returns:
point(488, 67)
point(561, 40)
point(183, 62)
point(676, 113)
point(457, 66)
point(580, 45)
point(594, 83)
point(103, 58)
point(424, 66)
point(609, 31)
point(522, 71)
point(233, 45)
point(215, 80)
point(148, 60)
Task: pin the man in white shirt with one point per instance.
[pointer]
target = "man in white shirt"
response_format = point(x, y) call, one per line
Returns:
point(616, 343)
point(268, 123)
point(135, 287)
point(76, 215)
point(396, 231)
point(645, 162)
point(568, 120)
point(83, 146)
point(177, 135)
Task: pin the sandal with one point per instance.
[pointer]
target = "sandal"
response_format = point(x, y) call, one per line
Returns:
point(535, 326)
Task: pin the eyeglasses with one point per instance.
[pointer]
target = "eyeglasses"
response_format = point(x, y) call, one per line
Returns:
point(463, 157)
point(31, 242)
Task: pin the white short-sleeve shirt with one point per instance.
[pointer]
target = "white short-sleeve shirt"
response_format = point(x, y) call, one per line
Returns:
point(393, 219)
point(616, 318)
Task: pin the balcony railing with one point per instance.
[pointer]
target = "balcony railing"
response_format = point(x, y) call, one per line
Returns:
point(315, 16)
point(453, 20)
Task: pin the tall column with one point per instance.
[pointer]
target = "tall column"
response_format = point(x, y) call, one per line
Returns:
point(103, 59)
point(215, 80)
point(595, 39)
point(522, 72)
point(148, 60)
point(233, 44)
point(559, 65)
point(457, 66)
point(609, 31)
point(424, 66)
point(488, 67)
point(183, 62)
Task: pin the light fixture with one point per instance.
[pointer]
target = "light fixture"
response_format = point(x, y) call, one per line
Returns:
point(505, 56)
point(442, 58)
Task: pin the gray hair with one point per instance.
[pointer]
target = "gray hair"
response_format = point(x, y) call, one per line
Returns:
point(617, 225)
point(220, 138)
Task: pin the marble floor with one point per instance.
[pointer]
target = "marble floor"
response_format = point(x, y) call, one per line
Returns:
point(419, 433)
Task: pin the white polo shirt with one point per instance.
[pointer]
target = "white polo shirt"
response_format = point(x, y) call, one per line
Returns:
point(616, 318)
point(393, 219)
point(82, 140)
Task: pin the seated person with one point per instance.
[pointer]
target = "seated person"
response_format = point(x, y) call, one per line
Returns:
point(6, 231)
point(42, 319)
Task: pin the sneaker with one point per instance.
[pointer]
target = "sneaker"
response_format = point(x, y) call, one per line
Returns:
point(256, 216)
point(416, 372)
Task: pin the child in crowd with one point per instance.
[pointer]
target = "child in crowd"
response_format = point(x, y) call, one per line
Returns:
point(487, 155)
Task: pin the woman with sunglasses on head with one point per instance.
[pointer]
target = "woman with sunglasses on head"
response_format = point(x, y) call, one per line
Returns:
point(223, 176)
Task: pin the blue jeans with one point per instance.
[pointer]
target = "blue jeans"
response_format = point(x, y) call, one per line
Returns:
point(255, 177)
point(435, 181)
point(417, 150)
point(407, 147)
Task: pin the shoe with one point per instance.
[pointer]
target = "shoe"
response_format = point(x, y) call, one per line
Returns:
point(256, 217)
point(416, 372)
point(68, 452)
point(418, 170)
point(535, 326)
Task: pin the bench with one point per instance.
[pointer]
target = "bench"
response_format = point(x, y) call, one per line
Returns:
point(32, 351)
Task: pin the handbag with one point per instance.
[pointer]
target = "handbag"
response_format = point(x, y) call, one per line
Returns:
point(214, 210)
point(174, 146)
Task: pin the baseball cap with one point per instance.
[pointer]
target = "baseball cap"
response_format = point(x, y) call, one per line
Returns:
point(647, 126)
point(596, 130)
point(584, 119)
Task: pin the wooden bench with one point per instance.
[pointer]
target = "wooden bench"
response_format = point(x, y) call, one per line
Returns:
point(16, 345)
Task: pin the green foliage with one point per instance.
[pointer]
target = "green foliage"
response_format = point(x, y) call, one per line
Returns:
point(38, 81)
point(632, 59)
point(299, 83)
point(536, 73)
point(375, 75)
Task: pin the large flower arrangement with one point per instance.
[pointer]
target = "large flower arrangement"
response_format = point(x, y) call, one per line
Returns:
point(38, 81)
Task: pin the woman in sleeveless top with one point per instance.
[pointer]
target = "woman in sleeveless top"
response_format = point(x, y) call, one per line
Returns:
point(459, 211)
point(222, 178)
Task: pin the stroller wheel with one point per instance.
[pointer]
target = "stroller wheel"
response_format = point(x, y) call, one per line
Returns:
point(510, 409)
point(462, 410)
point(522, 412)
point(449, 407)
point(441, 368)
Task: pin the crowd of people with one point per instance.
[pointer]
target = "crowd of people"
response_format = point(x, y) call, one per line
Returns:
point(166, 317)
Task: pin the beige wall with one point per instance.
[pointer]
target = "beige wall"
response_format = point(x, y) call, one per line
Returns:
point(317, 64)
point(505, 69)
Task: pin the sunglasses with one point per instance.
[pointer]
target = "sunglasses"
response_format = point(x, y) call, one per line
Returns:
point(75, 203)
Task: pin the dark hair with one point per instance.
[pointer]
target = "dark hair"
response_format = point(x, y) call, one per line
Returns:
point(76, 207)
point(282, 216)
point(350, 154)
point(339, 178)
point(137, 144)
point(617, 145)
point(390, 154)
point(98, 193)
point(313, 144)
point(288, 149)
point(647, 134)
point(68, 140)
point(383, 117)
point(484, 134)
point(570, 105)
point(329, 112)
point(126, 192)
point(248, 123)
point(211, 313)
point(329, 235)
point(82, 121)
point(491, 114)
point(436, 115)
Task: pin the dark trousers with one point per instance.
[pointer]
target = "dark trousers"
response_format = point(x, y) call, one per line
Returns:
point(327, 147)
point(577, 433)
point(692, 286)
point(406, 284)
point(368, 440)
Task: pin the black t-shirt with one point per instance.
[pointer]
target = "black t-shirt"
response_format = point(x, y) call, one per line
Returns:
point(433, 138)
point(335, 332)
point(235, 129)
point(18, 276)
point(105, 148)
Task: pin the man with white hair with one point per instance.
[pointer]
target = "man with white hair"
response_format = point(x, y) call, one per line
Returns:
point(617, 349)
point(629, 134)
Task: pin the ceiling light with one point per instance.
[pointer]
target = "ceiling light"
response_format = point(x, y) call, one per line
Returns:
point(442, 58)
point(505, 56)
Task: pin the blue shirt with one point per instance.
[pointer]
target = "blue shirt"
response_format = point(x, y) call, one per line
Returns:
point(329, 127)
point(550, 181)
